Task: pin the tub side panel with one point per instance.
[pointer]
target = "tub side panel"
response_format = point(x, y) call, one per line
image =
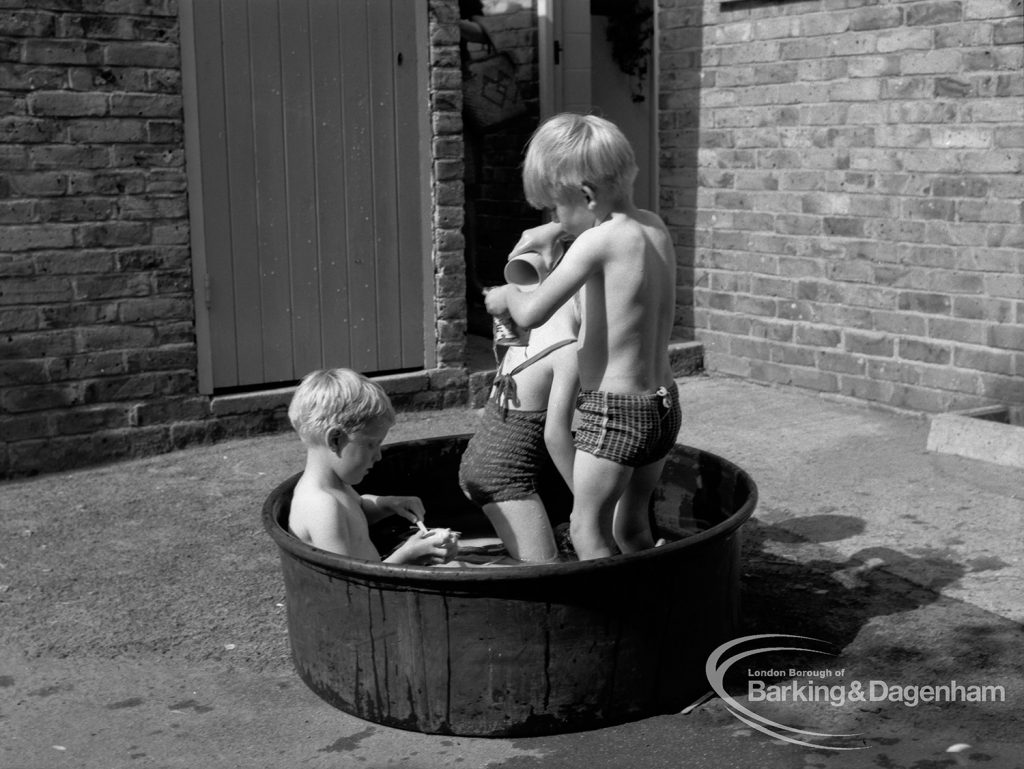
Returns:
point(326, 626)
point(553, 661)
point(377, 652)
point(699, 614)
point(405, 682)
point(418, 672)
point(499, 662)
point(605, 652)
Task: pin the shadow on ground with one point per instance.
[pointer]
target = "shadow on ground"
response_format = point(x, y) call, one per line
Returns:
point(831, 599)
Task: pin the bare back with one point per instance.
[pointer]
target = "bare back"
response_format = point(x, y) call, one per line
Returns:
point(533, 384)
point(628, 304)
point(331, 517)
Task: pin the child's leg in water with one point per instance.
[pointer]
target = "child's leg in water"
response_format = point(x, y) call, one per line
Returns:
point(599, 483)
point(524, 527)
point(632, 524)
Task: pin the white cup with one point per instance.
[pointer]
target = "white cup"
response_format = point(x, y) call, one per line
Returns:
point(526, 270)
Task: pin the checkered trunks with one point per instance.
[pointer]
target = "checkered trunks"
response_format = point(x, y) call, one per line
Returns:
point(505, 456)
point(632, 430)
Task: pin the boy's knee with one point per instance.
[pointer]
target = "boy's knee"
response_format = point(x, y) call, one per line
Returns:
point(588, 527)
point(582, 526)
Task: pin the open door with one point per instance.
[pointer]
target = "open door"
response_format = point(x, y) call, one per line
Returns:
point(578, 73)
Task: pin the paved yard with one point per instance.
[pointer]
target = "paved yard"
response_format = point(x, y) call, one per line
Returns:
point(143, 620)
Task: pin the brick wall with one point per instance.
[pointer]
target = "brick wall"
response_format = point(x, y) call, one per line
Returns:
point(448, 187)
point(96, 316)
point(845, 181)
point(97, 342)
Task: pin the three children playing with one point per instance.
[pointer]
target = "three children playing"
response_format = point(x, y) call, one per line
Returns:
point(620, 274)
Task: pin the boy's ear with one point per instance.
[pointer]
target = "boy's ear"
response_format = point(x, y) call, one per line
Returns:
point(336, 440)
point(588, 193)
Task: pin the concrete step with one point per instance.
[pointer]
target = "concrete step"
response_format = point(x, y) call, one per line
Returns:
point(687, 358)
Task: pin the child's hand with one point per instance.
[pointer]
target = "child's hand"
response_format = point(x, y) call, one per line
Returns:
point(410, 508)
point(496, 300)
point(434, 546)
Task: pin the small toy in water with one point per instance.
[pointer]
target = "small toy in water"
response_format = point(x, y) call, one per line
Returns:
point(451, 544)
point(450, 541)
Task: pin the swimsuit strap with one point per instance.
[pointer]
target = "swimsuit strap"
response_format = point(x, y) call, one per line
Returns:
point(546, 351)
point(505, 384)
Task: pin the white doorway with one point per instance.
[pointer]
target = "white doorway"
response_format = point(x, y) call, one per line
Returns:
point(578, 73)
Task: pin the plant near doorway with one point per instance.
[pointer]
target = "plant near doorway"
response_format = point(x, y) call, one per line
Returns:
point(631, 33)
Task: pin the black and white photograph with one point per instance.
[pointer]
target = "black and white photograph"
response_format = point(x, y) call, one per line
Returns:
point(511, 384)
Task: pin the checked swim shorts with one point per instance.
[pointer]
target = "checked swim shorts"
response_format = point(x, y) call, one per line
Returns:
point(632, 430)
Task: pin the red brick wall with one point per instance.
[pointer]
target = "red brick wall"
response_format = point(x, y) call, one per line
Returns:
point(845, 181)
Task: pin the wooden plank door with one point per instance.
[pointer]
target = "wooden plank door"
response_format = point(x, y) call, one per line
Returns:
point(306, 135)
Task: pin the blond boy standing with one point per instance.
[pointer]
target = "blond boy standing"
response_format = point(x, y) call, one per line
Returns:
point(623, 261)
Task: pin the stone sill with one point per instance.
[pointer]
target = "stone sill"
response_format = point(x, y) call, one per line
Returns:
point(271, 400)
point(990, 434)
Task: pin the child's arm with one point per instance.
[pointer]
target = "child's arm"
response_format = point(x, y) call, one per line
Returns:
point(377, 508)
point(536, 307)
point(561, 407)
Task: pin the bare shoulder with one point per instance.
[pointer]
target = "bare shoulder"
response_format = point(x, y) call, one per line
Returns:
point(626, 231)
point(591, 245)
point(315, 508)
point(653, 226)
point(649, 218)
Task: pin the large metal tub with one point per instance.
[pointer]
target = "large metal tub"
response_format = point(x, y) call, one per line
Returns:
point(521, 650)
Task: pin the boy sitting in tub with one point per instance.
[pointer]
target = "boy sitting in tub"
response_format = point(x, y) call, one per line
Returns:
point(342, 418)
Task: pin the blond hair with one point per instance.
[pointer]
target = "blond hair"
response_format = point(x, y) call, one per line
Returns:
point(333, 398)
point(570, 150)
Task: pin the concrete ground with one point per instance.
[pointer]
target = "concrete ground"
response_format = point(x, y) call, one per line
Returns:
point(143, 620)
